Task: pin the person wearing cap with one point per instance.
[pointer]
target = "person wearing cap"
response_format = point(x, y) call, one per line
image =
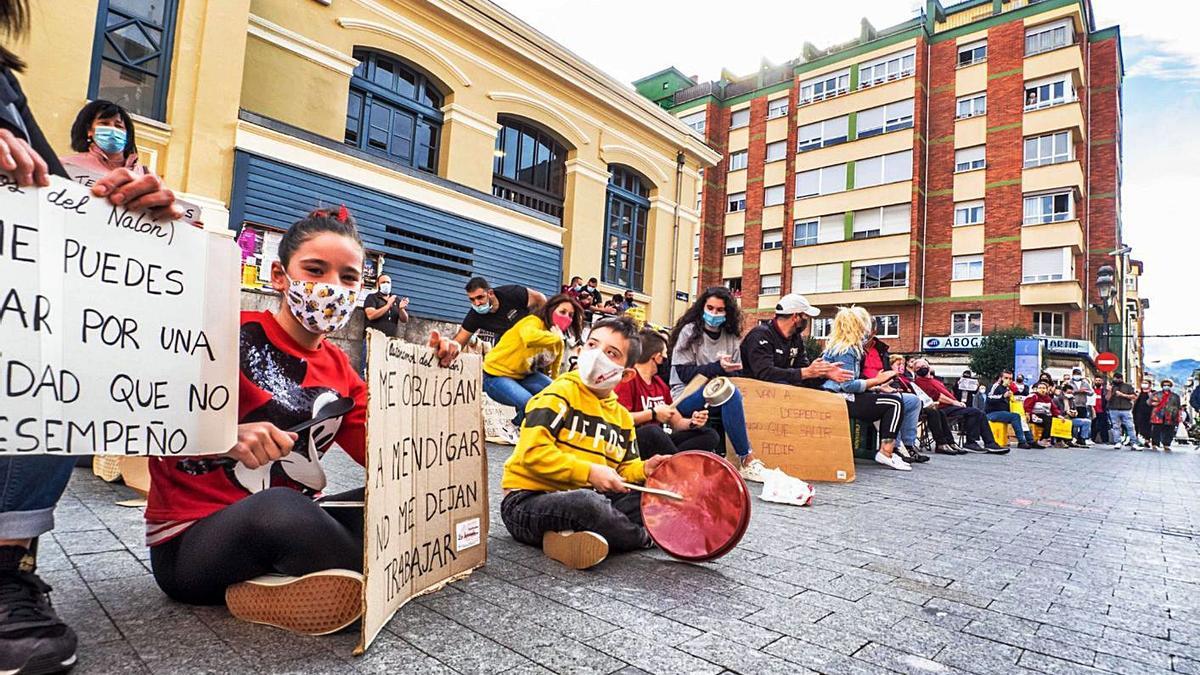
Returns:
point(1165, 406)
point(774, 352)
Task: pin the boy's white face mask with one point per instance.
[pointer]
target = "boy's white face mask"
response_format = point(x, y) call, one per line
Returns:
point(598, 372)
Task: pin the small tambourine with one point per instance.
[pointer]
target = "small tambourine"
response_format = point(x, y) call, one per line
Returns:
point(712, 515)
point(718, 391)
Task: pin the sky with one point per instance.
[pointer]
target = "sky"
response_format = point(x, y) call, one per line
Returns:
point(632, 38)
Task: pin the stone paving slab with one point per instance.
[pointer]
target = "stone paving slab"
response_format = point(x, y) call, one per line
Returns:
point(1043, 561)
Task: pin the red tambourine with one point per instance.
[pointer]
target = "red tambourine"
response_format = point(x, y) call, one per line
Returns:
point(713, 514)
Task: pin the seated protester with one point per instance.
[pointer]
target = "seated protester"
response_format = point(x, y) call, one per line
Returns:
point(935, 419)
point(616, 305)
point(965, 395)
point(705, 341)
point(585, 303)
point(974, 422)
point(1020, 387)
point(997, 409)
point(494, 310)
point(529, 355)
point(385, 311)
point(563, 485)
point(1041, 411)
point(661, 429)
point(874, 361)
point(844, 348)
point(216, 524)
point(774, 352)
point(103, 138)
point(1081, 427)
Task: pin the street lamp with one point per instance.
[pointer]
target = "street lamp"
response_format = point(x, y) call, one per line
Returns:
point(1106, 285)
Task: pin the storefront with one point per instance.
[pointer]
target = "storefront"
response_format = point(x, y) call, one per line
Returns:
point(949, 355)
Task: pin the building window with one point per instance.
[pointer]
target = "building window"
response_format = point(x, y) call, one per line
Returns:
point(1049, 149)
point(737, 201)
point(825, 86)
point(776, 151)
point(1049, 92)
point(696, 246)
point(973, 53)
point(887, 325)
point(734, 284)
point(883, 169)
point(1049, 36)
point(825, 181)
point(971, 106)
point(879, 275)
point(529, 167)
point(969, 213)
point(967, 268)
point(1048, 264)
point(395, 112)
point(817, 278)
point(695, 121)
point(820, 134)
point(966, 323)
point(739, 118)
point(737, 160)
point(1053, 207)
point(772, 240)
point(1049, 324)
point(886, 69)
point(131, 56)
point(735, 244)
point(777, 108)
point(881, 221)
point(625, 227)
point(804, 232)
point(773, 195)
point(770, 284)
point(969, 159)
point(821, 328)
point(885, 118)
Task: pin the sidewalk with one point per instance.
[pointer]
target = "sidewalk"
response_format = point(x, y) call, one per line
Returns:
point(1044, 560)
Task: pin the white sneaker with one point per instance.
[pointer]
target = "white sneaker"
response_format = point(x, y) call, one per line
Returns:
point(894, 461)
point(753, 471)
point(511, 433)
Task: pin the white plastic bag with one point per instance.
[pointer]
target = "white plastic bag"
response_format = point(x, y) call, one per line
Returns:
point(781, 488)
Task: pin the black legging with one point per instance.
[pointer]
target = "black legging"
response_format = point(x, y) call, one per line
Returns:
point(278, 530)
point(653, 440)
point(886, 408)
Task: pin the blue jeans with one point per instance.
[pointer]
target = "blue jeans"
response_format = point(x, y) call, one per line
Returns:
point(1013, 420)
point(30, 487)
point(1081, 428)
point(733, 418)
point(515, 392)
point(912, 414)
point(1122, 418)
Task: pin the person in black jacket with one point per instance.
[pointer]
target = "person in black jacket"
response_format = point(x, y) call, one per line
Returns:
point(774, 352)
point(32, 636)
point(998, 409)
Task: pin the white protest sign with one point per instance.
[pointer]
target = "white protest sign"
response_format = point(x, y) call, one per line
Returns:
point(118, 334)
point(426, 490)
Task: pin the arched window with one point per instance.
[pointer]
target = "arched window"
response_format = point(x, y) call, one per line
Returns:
point(625, 220)
point(393, 111)
point(529, 167)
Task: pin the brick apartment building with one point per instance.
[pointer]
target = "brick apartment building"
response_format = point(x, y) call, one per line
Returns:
point(956, 173)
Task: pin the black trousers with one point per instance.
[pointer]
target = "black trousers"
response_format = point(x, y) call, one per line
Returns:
point(653, 440)
point(528, 515)
point(884, 408)
point(1043, 422)
point(1141, 424)
point(1162, 434)
point(938, 425)
point(278, 530)
point(1100, 428)
point(974, 423)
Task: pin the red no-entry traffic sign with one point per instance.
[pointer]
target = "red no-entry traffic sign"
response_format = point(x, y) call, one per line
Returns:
point(1106, 362)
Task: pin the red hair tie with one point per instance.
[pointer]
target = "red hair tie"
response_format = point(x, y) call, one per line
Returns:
point(343, 213)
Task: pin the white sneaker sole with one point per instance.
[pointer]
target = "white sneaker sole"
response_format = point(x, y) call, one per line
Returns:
point(314, 604)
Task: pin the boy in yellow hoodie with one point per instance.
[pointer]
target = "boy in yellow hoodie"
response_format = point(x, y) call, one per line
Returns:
point(563, 485)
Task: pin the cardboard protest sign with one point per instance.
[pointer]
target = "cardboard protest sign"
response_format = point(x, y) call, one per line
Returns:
point(426, 494)
point(118, 333)
point(803, 431)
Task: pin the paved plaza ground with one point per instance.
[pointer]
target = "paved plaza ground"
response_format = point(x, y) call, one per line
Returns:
point(1054, 561)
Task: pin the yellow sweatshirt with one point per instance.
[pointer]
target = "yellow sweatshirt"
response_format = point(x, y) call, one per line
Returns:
point(566, 430)
point(524, 348)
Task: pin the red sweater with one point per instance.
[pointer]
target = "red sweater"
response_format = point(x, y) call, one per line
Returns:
point(637, 396)
point(935, 389)
point(1034, 399)
point(279, 382)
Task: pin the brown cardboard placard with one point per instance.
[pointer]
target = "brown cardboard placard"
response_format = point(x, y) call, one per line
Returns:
point(426, 511)
point(805, 432)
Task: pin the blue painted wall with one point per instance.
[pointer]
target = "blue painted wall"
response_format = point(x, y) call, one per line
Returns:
point(429, 253)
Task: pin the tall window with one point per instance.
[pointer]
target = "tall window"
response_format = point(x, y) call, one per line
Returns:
point(825, 278)
point(1049, 36)
point(737, 160)
point(824, 181)
point(970, 106)
point(973, 53)
point(1047, 264)
point(734, 284)
point(966, 323)
point(131, 56)
point(821, 327)
point(695, 121)
point(1049, 149)
point(776, 151)
point(967, 268)
point(1049, 324)
point(625, 228)
point(886, 68)
point(821, 134)
point(881, 221)
point(1053, 207)
point(825, 86)
point(885, 118)
point(969, 213)
point(887, 325)
point(879, 275)
point(883, 169)
point(739, 118)
point(529, 167)
point(805, 232)
point(1049, 92)
point(393, 111)
point(777, 108)
point(770, 284)
point(773, 195)
point(735, 244)
point(969, 159)
point(737, 201)
point(772, 239)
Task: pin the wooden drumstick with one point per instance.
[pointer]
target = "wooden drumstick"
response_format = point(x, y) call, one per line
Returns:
point(654, 491)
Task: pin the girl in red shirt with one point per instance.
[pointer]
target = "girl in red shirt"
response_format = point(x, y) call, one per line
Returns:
point(217, 524)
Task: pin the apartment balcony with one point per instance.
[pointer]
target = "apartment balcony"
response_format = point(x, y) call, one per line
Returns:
point(1053, 235)
point(891, 246)
point(859, 198)
point(731, 266)
point(855, 100)
point(969, 185)
point(1053, 176)
point(1055, 61)
point(1068, 293)
point(970, 131)
point(697, 91)
point(864, 296)
point(1055, 118)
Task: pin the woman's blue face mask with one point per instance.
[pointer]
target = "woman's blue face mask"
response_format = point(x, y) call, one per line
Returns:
point(109, 139)
point(713, 320)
